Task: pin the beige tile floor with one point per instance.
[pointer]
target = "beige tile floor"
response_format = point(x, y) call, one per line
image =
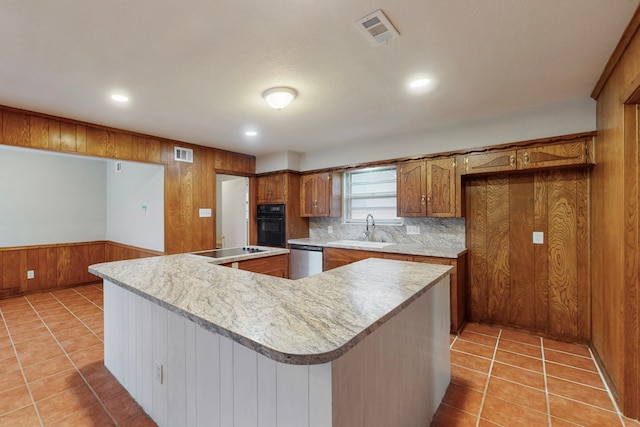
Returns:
point(51, 363)
point(504, 378)
point(52, 373)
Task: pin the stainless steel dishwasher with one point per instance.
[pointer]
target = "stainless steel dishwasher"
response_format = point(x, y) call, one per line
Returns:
point(305, 260)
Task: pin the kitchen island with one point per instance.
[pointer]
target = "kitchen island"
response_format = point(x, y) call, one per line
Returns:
point(197, 344)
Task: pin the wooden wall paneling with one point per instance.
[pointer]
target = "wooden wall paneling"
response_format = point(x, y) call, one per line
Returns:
point(498, 289)
point(563, 298)
point(33, 263)
point(15, 128)
point(234, 163)
point(97, 141)
point(38, 132)
point(124, 146)
point(541, 253)
point(149, 150)
point(476, 232)
point(95, 255)
point(204, 194)
point(179, 208)
point(74, 260)
point(54, 134)
point(67, 266)
point(521, 252)
point(47, 268)
point(81, 138)
point(583, 266)
point(631, 391)
point(112, 147)
point(68, 137)
point(614, 235)
point(11, 270)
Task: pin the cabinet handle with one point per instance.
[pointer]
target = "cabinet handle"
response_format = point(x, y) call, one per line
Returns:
point(512, 160)
point(422, 199)
point(525, 157)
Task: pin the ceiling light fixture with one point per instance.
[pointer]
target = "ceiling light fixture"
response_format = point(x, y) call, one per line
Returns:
point(120, 98)
point(419, 83)
point(251, 133)
point(279, 97)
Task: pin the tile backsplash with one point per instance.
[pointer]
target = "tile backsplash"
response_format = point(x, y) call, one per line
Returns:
point(436, 232)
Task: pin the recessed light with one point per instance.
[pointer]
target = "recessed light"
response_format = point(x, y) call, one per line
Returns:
point(251, 133)
point(119, 98)
point(419, 83)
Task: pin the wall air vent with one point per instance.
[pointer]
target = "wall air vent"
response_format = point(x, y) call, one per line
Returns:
point(183, 154)
point(377, 28)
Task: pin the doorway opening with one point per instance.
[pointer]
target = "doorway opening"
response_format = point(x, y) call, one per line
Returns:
point(232, 211)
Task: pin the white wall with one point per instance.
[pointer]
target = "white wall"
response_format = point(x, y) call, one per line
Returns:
point(281, 160)
point(560, 119)
point(48, 198)
point(135, 205)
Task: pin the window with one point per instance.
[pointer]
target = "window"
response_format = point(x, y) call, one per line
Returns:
point(371, 191)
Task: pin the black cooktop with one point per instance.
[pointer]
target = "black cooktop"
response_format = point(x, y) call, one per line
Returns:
point(223, 253)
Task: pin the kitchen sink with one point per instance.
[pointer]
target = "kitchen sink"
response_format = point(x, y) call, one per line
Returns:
point(361, 243)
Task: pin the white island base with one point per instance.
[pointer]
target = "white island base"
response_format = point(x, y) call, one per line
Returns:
point(184, 375)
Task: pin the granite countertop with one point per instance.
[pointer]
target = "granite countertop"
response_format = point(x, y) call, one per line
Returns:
point(306, 321)
point(266, 251)
point(406, 249)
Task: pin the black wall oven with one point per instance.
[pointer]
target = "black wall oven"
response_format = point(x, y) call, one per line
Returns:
point(271, 225)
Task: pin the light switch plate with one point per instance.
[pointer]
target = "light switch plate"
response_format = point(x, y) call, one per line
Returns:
point(538, 238)
point(205, 213)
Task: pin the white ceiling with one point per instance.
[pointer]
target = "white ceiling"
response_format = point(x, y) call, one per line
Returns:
point(195, 69)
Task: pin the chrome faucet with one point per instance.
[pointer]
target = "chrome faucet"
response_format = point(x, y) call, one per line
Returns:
point(367, 233)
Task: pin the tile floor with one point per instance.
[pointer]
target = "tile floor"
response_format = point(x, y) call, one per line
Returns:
point(52, 373)
point(51, 363)
point(504, 378)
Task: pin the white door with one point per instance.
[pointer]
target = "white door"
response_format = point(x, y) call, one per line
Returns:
point(235, 209)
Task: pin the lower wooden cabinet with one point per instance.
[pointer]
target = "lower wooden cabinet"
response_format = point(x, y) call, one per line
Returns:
point(337, 257)
point(276, 265)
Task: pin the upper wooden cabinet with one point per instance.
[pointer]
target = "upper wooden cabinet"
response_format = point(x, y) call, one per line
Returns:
point(411, 184)
point(499, 161)
point(571, 153)
point(272, 189)
point(538, 157)
point(320, 195)
point(441, 188)
point(427, 188)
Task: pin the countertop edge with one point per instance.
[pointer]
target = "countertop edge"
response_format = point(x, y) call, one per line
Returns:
point(274, 354)
point(396, 248)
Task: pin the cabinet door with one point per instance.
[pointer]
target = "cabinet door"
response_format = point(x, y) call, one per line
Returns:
point(272, 189)
point(489, 162)
point(571, 153)
point(411, 189)
point(322, 195)
point(337, 257)
point(319, 195)
point(441, 187)
point(307, 195)
point(276, 265)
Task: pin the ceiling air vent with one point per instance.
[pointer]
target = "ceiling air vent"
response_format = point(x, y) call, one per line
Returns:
point(377, 28)
point(183, 154)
